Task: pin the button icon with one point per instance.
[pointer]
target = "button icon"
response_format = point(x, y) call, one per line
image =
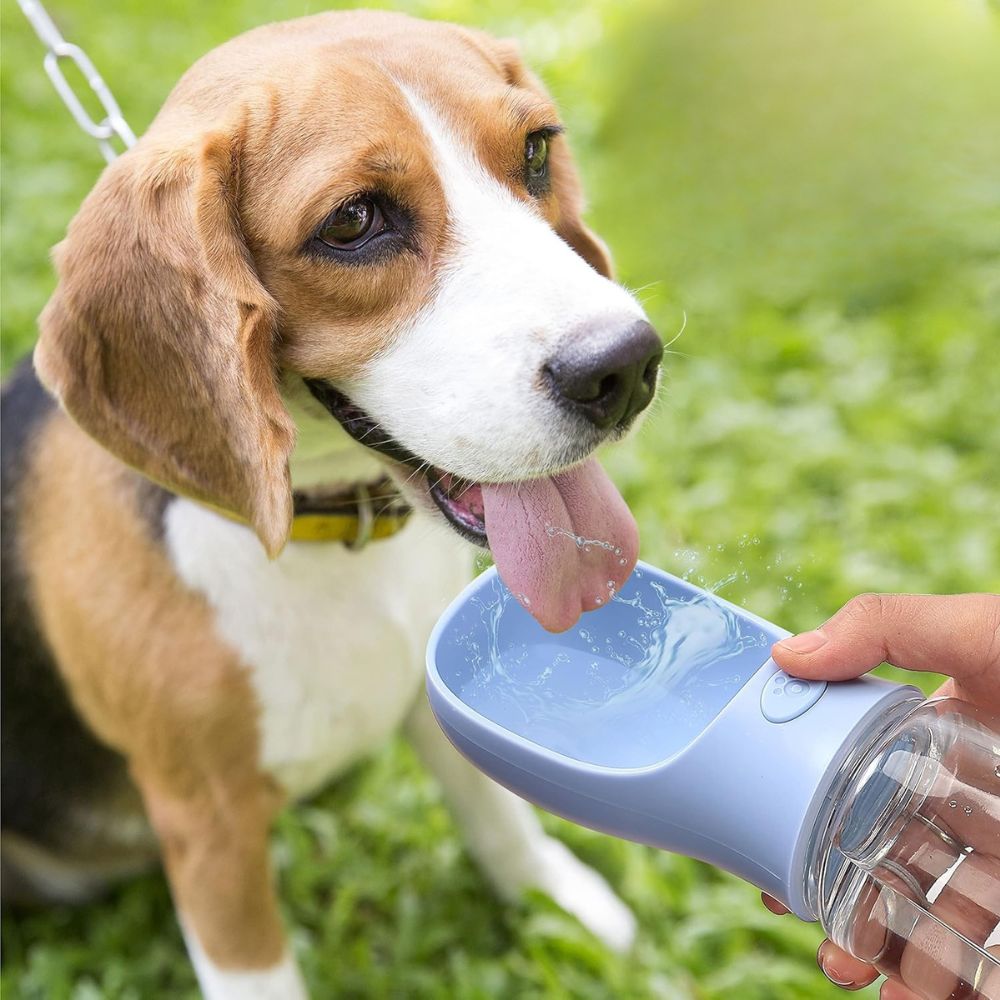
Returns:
point(785, 698)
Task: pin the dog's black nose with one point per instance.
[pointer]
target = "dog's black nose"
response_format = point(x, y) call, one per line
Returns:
point(608, 385)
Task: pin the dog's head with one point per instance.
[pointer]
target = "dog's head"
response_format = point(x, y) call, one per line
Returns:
point(385, 208)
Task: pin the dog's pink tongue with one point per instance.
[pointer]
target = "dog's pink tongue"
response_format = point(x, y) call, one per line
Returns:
point(562, 545)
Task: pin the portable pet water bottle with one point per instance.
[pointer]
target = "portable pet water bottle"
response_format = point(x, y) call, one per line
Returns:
point(661, 718)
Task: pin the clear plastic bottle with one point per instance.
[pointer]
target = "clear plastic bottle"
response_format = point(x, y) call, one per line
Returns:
point(905, 861)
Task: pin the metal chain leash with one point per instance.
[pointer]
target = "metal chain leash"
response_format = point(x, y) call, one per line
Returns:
point(114, 123)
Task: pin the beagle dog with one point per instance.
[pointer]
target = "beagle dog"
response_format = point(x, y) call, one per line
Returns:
point(333, 317)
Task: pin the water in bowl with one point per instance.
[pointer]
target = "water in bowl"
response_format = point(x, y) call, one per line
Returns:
point(629, 686)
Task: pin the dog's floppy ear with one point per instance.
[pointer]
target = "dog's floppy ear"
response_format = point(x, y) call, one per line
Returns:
point(158, 338)
point(569, 225)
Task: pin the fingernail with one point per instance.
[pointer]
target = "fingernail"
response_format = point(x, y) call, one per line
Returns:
point(804, 642)
point(844, 984)
point(821, 959)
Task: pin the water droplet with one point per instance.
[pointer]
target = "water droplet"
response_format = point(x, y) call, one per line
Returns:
point(621, 562)
point(996, 770)
point(952, 804)
point(967, 810)
point(598, 600)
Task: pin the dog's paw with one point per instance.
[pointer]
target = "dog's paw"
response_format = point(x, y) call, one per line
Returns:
point(581, 891)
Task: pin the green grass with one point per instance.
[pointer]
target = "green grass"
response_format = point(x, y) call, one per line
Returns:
point(814, 186)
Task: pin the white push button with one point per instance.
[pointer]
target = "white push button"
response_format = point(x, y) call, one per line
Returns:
point(785, 698)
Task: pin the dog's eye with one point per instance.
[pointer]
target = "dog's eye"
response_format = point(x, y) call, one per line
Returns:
point(536, 159)
point(352, 225)
point(536, 155)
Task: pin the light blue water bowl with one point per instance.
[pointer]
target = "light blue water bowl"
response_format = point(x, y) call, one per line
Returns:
point(659, 717)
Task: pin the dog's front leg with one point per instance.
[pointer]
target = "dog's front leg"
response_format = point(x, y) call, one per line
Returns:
point(507, 840)
point(214, 837)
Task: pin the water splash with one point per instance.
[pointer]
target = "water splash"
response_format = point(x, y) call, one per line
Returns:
point(585, 544)
point(777, 575)
point(623, 695)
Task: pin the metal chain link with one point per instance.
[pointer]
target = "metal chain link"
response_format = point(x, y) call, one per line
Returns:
point(114, 123)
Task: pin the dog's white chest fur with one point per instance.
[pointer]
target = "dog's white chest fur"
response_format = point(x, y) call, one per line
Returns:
point(333, 639)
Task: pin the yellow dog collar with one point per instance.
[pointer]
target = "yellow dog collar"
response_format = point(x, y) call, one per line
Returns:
point(353, 515)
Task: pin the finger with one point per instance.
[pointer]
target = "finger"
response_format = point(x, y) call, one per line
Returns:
point(770, 903)
point(893, 990)
point(913, 631)
point(932, 942)
point(868, 936)
point(955, 634)
point(945, 949)
point(842, 969)
point(959, 790)
point(901, 922)
point(991, 981)
point(970, 814)
point(974, 756)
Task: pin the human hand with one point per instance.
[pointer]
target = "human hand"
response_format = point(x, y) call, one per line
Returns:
point(956, 635)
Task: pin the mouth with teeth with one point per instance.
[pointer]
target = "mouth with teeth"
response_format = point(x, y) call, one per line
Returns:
point(461, 501)
point(561, 542)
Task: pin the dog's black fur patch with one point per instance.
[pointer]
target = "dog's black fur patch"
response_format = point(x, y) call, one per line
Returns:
point(50, 761)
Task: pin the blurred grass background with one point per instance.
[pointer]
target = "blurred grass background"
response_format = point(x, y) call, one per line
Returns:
point(811, 191)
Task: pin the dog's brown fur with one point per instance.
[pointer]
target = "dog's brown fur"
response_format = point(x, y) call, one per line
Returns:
point(189, 239)
point(183, 294)
point(150, 677)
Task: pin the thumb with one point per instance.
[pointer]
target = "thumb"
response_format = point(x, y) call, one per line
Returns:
point(958, 635)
